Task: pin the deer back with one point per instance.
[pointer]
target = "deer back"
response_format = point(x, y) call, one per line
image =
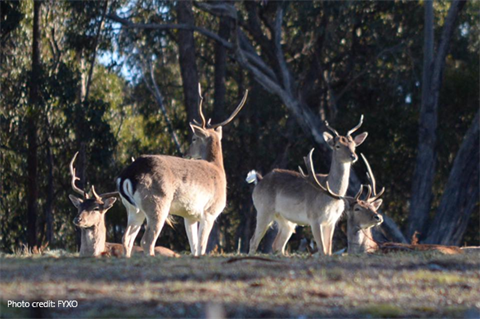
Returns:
point(194, 184)
point(293, 196)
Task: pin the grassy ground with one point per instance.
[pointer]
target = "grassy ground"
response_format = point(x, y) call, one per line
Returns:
point(393, 285)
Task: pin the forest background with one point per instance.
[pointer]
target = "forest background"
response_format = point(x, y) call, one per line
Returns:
point(117, 79)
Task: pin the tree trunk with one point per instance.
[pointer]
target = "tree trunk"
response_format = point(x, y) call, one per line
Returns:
point(421, 189)
point(219, 104)
point(425, 166)
point(50, 196)
point(32, 157)
point(460, 197)
point(188, 64)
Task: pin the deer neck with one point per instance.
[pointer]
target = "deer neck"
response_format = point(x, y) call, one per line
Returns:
point(93, 240)
point(359, 240)
point(215, 155)
point(338, 176)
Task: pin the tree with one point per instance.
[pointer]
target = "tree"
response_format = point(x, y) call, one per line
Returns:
point(425, 167)
point(33, 112)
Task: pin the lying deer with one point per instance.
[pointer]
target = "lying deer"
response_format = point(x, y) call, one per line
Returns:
point(155, 186)
point(286, 197)
point(91, 220)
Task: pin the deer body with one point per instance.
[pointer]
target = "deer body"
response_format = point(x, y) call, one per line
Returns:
point(286, 197)
point(290, 199)
point(155, 186)
point(93, 240)
point(159, 185)
point(359, 235)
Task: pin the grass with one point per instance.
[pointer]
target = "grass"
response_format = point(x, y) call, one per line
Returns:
point(375, 286)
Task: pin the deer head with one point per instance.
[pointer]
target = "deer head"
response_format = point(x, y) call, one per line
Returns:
point(91, 210)
point(344, 146)
point(363, 211)
point(207, 136)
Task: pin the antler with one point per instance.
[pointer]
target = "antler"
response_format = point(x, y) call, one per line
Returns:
point(371, 178)
point(101, 197)
point(315, 181)
point(356, 127)
point(331, 129)
point(200, 104)
point(75, 178)
point(208, 124)
point(232, 116)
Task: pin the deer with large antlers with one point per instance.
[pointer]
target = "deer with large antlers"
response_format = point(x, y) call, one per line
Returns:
point(155, 186)
point(288, 198)
point(90, 217)
point(361, 214)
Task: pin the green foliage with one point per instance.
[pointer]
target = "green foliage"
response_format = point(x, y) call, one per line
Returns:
point(371, 55)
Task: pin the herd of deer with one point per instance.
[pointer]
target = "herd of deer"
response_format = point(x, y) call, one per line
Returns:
point(154, 187)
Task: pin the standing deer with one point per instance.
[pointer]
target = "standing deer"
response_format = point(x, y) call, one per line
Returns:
point(286, 197)
point(361, 214)
point(155, 186)
point(91, 220)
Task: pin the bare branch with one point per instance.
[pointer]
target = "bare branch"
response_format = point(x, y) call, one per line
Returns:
point(156, 26)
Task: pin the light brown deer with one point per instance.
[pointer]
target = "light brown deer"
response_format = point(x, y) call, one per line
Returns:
point(155, 186)
point(361, 214)
point(91, 220)
point(286, 197)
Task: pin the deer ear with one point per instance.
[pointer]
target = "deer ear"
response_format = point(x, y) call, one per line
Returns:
point(377, 203)
point(108, 203)
point(360, 138)
point(198, 131)
point(75, 201)
point(329, 139)
point(219, 131)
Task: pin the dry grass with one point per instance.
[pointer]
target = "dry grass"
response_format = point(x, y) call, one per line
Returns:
point(378, 286)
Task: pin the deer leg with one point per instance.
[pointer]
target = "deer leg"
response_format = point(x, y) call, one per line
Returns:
point(157, 212)
point(327, 236)
point(135, 221)
point(204, 233)
point(286, 229)
point(317, 235)
point(191, 227)
point(264, 220)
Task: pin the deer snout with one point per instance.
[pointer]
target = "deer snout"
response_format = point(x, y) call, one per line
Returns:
point(77, 220)
point(378, 218)
point(354, 157)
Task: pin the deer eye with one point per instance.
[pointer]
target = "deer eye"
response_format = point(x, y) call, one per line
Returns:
point(97, 209)
point(357, 209)
point(338, 146)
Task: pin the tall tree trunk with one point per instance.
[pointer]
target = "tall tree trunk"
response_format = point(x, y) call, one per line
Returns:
point(420, 202)
point(50, 196)
point(460, 197)
point(32, 157)
point(425, 166)
point(188, 64)
point(219, 103)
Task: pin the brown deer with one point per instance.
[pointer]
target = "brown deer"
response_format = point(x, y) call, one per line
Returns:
point(286, 197)
point(91, 220)
point(155, 186)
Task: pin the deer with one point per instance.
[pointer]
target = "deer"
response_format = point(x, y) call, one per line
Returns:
point(155, 187)
point(361, 215)
point(288, 198)
point(91, 221)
